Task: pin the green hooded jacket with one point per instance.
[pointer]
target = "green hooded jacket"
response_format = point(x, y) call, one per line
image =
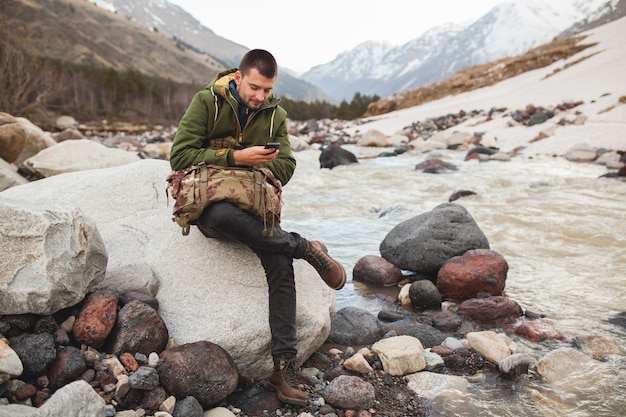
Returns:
point(212, 114)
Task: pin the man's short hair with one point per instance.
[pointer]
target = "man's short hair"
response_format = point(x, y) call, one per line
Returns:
point(260, 59)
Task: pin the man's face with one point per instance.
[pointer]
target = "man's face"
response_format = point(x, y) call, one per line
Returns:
point(253, 88)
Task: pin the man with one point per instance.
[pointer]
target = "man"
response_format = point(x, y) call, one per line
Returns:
point(229, 123)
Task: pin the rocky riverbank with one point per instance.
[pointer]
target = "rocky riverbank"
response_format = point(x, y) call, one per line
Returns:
point(120, 349)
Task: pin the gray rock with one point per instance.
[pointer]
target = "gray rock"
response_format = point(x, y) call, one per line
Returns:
point(355, 326)
point(52, 255)
point(202, 281)
point(36, 352)
point(425, 242)
point(350, 392)
point(75, 155)
point(144, 378)
point(424, 294)
point(515, 365)
point(188, 407)
point(427, 335)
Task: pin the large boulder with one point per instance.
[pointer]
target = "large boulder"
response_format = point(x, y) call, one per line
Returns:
point(52, 255)
point(76, 155)
point(209, 289)
point(36, 140)
point(425, 242)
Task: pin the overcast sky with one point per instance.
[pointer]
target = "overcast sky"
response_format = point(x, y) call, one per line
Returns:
point(304, 34)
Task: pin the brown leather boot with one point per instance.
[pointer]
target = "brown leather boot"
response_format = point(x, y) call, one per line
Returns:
point(283, 379)
point(329, 269)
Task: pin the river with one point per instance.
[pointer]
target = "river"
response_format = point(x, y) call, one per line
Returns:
point(560, 228)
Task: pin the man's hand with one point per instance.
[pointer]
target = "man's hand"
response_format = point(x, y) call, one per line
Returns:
point(254, 155)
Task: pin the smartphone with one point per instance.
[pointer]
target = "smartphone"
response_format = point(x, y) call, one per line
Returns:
point(272, 145)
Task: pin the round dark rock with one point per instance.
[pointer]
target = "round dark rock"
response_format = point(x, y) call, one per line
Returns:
point(68, 366)
point(188, 407)
point(36, 352)
point(355, 326)
point(201, 369)
point(424, 294)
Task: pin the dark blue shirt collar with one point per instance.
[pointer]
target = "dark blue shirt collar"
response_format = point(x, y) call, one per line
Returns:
point(243, 111)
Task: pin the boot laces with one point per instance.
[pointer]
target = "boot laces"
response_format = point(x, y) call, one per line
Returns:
point(319, 260)
point(288, 372)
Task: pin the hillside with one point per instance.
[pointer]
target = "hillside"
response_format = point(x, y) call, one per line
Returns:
point(78, 32)
point(593, 77)
point(478, 76)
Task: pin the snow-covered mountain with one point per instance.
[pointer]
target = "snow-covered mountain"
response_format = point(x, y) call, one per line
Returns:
point(508, 29)
point(169, 19)
point(375, 67)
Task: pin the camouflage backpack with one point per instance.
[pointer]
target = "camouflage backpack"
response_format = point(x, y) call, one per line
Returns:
point(254, 189)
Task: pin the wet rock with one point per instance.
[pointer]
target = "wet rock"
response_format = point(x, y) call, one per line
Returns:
point(427, 335)
point(334, 155)
point(459, 194)
point(96, 318)
point(490, 345)
point(139, 328)
point(390, 316)
point(68, 366)
point(491, 310)
point(619, 319)
point(376, 270)
point(202, 369)
point(424, 294)
point(476, 271)
point(435, 166)
point(538, 331)
point(573, 371)
point(515, 365)
point(36, 352)
point(475, 152)
point(425, 242)
point(598, 346)
point(447, 321)
point(350, 392)
point(355, 326)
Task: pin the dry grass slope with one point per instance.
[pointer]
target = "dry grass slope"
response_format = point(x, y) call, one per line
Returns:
point(478, 76)
point(78, 32)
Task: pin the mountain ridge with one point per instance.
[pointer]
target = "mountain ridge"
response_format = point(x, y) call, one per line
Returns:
point(508, 29)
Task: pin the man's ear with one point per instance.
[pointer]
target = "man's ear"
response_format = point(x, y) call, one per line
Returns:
point(238, 77)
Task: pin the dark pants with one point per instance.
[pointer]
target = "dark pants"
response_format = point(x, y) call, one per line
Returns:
point(276, 252)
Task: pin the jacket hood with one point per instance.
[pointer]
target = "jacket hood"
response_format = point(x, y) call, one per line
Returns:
point(219, 86)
